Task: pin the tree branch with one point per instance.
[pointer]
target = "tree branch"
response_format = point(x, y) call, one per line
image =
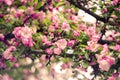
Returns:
point(102, 19)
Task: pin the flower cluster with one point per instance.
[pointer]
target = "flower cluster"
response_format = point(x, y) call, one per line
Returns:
point(24, 34)
point(35, 34)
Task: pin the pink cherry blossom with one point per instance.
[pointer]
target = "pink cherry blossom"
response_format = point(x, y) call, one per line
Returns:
point(45, 40)
point(74, 18)
point(114, 76)
point(23, 1)
point(2, 64)
point(19, 13)
point(57, 51)
point(117, 47)
point(76, 33)
point(7, 54)
point(105, 49)
point(27, 42)
point(49, 51)
point(93, 46)
point(62, 43)
point(16, 65)
point(64, 66)
point(71, 43)
point(41, 15)
point(34, 16)
point(55, 19)
point(13, 59)
point(17, 32)
point(30, 10)
point(6, 77)
point(111, 78)
point(9, 2)
point(65, 26)
point(1, 37)
point(24, 34)
point(105, 10)
point(51, 28)
point(105, 62)
point(115, 2)
point(43, 58)
point(90, 30)
point(15, 42)
point(95, 37)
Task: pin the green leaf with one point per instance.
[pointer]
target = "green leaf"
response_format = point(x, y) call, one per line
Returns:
point(94, 9)
point(39, 4)
point(36, 1)
point(1, 50)
point(31, 3)
point(60, 3)
point(22, 7)
point(9, 63)
point(21, 49)
point(85, 64)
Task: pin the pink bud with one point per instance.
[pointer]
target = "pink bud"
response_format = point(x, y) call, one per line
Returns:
point(105, 10)
point(16, 65)
point(57, 51)
point(71, 43)
point(76, 33)
point(49, 51)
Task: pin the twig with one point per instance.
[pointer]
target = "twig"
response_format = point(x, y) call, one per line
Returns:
point(102, 19)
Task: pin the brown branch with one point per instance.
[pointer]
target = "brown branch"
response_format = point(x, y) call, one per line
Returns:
point(26, 20)
point(41, 52)
point(102, 19)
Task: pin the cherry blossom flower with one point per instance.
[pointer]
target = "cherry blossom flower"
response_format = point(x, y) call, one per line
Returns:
point(25, 34)
point(115, 2)
point(114, 76)
point(49, 51)
point(117, 47)
point(65, 26)
point(45, 40)
point(1, 37)
point(93, 46)
point(41, 15)
point(95, 37)
point(2, 65)
point(6, 77)
point(105, 62)
point(74, 18)
point(105, 49)
point(23, 1)
point(57, 51)
point(105, 10)
point(27, 42)
point(55, 19)
point(16, 65)
point(17, 32)
point(30, 10)
point(7, 54)
point(9, 2)
point(76, 33)
point(71, 43)
point(62, 43)
point(51, 28)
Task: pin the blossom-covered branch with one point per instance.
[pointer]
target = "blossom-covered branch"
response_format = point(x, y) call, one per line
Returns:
point(102, 19)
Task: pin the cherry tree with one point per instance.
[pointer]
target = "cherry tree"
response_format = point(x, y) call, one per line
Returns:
point(40, 33)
